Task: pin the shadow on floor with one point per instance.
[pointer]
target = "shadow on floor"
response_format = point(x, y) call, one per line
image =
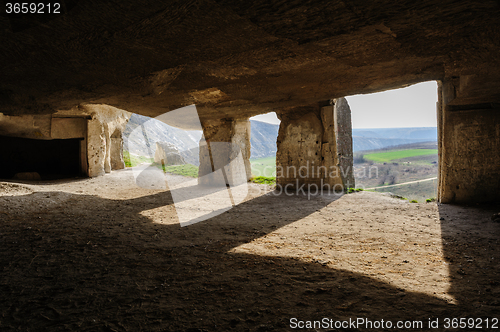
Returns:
point(471, 247)
point(84, 263)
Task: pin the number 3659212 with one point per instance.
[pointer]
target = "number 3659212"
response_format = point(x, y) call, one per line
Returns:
point(32, 8)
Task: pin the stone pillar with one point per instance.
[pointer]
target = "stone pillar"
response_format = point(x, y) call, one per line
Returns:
point(223, 141)
point(469, 140)
point(298, 158)
point(105, 143)
point(329, 151)
point(116, 149)
point(343, 131)
point(315, 147)
point(96, 148)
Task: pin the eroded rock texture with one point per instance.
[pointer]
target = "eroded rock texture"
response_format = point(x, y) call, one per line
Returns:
point(168, 154)
point(225, 149)
point(105, 143)
point(315, 148)
point(95, 129)
point(237, 58)
point(469, 146)
point(299, 148)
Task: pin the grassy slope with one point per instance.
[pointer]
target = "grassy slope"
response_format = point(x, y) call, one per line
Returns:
point(421, 167)
point(264, 180)
point(132, 160)
point(385, 157)
point(264, 167)
point(264, 171)
point(188, 170)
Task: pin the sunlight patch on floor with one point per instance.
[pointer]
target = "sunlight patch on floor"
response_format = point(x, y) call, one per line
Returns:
point(399, 244)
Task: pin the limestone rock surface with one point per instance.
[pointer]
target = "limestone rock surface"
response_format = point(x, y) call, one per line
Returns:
point(167, 154)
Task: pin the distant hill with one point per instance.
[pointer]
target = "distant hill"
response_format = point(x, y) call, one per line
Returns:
point(379, 138)
point(186, 141)
point(420, 145)
point(263, 138)
point(417, 133)
point(264, 135)
point(370, 143)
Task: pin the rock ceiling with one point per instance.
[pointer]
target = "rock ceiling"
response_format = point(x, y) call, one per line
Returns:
point(237, 58)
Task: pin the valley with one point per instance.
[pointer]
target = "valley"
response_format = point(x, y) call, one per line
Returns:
point(389, 156)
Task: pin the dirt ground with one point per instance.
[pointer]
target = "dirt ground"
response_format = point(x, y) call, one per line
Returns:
point(102, 254)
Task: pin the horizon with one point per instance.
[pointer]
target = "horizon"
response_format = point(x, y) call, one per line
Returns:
point(383, 110)
point(277, 124)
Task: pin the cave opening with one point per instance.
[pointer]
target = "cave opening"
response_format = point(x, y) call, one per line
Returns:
point(395, 141)
point(263, 136)
point(49, 158)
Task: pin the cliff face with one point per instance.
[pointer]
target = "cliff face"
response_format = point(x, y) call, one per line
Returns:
point(263, 139)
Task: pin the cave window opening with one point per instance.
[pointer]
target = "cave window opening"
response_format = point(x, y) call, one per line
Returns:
point(179, 147)
point(395, 141)
point(263, 136)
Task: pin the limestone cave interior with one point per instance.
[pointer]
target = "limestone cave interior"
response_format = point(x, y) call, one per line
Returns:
point(107, 253)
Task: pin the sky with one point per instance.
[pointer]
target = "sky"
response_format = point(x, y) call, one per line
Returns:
point(268, 117)
point(414, 106)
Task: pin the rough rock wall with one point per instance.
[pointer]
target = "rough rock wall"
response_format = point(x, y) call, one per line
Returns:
point(315, 147)
point(469, 145)
point(102, 133)
point(299, 148)
point(343, 133)
point(26, 126)
point(329, 149)
point(264, 61)
point(167, 154)
point(105, 144)
point(240, 136)
point(116, 148)
point(223, 141)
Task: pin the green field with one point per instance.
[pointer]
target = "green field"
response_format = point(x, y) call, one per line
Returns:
point(385, 157)
point(264, 180)
point(132, 160)
point(264, 167)
point(188, 170)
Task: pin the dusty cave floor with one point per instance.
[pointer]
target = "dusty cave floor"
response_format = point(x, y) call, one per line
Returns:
point(104, 255)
